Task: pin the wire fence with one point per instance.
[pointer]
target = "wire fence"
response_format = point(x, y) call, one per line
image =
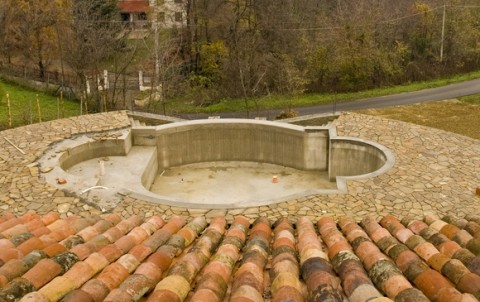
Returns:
point(128, 80)
point(37, 108)
point(121, 90)
point(48, 77)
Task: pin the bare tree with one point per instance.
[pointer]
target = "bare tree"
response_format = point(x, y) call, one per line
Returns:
point(167, 68)
point(6, 22)
point(28, 26)
point(94, 37)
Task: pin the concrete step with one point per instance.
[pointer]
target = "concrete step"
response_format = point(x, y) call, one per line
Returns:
point(137, 123)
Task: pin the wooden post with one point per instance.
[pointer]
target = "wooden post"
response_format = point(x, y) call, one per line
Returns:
point(39, 110)
point(62, 103)
point(9, 112)
point(30, 108)
point(105, 102)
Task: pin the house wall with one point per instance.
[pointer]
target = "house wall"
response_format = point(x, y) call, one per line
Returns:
point(170, 9)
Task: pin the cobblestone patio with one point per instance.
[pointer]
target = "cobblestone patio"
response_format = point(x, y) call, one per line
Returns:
point(435, 172)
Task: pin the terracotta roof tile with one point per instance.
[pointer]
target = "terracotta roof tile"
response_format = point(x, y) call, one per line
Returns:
point(473, 228)
point(180, 259)
point(133, 6)
point(9, 224)
point(213, 282)
point(431, 281)
point(6, 216)
point(248, 282)
point(453, 250)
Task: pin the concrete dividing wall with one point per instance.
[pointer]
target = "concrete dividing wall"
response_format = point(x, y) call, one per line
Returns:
point(95, 149)
point(352, 157)
point(237, 140)
point(151, 170)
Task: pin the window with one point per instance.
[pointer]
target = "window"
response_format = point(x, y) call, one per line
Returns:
point(161, 17)
point(178, 17)
point(125, 17)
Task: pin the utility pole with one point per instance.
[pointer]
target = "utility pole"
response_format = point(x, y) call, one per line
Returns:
point(157, 60)
point(443, 32)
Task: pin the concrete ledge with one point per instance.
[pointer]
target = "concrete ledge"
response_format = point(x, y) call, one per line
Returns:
point(95, 148)
point(154, 119)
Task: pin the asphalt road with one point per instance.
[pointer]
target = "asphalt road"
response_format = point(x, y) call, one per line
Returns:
point(432, 94)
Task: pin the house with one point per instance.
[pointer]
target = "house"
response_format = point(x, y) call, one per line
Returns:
point(168, 13)
point(134, 12)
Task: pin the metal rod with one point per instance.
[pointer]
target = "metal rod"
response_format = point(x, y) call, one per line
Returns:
point(10, 142)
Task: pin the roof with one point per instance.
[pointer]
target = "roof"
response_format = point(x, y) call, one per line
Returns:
point(133, 6)
point(107, 258)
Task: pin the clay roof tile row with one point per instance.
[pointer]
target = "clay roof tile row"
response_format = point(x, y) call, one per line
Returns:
point(191, 259)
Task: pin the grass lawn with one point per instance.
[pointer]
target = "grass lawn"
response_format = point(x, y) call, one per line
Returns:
point(23, 106)
point(459, 116)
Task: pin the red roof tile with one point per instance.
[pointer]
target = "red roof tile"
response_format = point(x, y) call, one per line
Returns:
point(109, 259)
point(133, 6)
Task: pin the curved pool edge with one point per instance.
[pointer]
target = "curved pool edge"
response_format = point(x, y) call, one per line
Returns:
point(138, 190)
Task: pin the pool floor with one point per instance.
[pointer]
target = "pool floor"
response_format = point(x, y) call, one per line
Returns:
point(231, 182)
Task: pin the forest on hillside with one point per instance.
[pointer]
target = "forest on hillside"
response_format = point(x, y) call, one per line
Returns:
point(248, 48)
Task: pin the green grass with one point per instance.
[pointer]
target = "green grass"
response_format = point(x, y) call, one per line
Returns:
point(471, 99)
point(24, 110)
point(23, 106)
point(282, 102)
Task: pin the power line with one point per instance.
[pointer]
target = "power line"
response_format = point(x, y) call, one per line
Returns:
point(314, 28)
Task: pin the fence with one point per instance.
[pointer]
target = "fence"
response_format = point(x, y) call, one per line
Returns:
point(33, 108)
point(135, 81)
point(106, 90)
point(33, 74)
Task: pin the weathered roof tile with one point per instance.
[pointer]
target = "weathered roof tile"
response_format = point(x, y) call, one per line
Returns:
point(289, 260)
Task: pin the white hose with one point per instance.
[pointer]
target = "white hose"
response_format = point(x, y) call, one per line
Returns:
point(94, 187)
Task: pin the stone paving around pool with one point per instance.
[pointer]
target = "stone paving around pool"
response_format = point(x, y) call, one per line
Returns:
point(435, 172)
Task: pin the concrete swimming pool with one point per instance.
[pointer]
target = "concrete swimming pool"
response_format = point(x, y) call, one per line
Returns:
point(219, 163)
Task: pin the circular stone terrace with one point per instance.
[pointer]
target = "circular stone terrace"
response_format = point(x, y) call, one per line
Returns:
point(434, 171)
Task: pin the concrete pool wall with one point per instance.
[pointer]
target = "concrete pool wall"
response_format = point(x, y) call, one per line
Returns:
point(119, 146)
point(303, 148)
point(141, 153)
point(354, 157)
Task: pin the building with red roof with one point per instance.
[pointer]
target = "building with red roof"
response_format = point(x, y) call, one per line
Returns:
point(139, 12)
point(134, 11)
